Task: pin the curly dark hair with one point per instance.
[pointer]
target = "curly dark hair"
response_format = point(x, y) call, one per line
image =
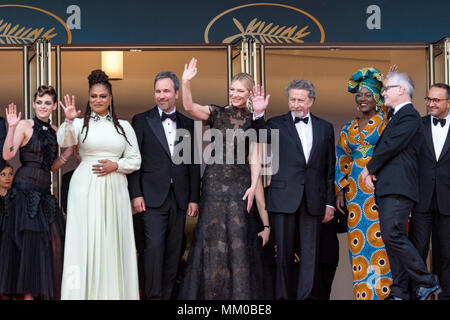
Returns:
point(99, 77)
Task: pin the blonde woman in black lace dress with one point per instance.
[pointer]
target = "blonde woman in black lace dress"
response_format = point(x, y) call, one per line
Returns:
point(225, 258)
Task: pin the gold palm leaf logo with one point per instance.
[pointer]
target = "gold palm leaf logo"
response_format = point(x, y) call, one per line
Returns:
point(268, 33)
point(22, 35)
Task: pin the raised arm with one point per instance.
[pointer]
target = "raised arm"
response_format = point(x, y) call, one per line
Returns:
point(66, 132)
point(16, 132)
point(196, 110)
point(259, 101)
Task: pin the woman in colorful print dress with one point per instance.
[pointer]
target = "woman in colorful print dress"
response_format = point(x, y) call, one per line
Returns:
point(368, 258)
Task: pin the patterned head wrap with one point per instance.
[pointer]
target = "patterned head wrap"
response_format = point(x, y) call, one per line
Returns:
point(369, 78)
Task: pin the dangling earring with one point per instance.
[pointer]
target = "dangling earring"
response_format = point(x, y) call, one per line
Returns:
point(250, 105)
point(109, 115)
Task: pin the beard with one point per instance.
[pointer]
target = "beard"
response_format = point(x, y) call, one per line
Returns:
point(299, 113)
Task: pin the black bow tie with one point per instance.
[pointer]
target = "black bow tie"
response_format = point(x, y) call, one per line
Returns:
point(390, 113)
point(171, 116)
point(441, 121)
point(305, 119)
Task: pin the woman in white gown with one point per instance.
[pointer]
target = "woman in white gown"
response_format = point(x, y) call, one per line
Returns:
point(100, 256)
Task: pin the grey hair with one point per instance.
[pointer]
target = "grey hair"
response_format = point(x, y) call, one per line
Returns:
point(302, 85)
point(170, 75)
point(404, 80)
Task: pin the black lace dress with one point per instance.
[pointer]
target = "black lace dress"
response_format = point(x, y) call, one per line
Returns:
point(32, 225)
point(225, 259)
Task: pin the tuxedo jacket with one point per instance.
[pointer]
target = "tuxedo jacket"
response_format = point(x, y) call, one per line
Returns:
point(3, 132)
point(395, 160)
point(434, 174)
point(157, 170)
point(297, 179)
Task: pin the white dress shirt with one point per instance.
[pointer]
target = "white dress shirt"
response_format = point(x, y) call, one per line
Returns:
point(170, 129)
point(305, 133)
point(439, 135)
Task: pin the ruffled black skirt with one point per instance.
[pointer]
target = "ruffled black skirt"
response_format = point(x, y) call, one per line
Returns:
point(31, 244)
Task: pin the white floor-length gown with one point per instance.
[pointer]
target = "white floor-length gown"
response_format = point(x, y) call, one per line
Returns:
point(99, 256)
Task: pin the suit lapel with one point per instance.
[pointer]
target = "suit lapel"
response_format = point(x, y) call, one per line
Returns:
point(316, 129)
point(392, 121)
point(292, 132)
point(154, 121)
point(428, 135)
point(446, 146)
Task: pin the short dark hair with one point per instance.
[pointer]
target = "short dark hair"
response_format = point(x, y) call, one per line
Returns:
point(170, 75)
point(444, 86)
point(6, 164)
point(43, 90)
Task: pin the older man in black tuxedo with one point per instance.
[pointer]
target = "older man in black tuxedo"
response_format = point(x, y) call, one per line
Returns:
point(433, 208)
point(393, 173)
point(301, 193)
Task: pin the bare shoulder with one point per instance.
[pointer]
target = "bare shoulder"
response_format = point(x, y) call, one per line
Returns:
point(25, 124)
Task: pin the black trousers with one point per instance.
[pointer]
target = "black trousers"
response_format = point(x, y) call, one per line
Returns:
point(421, 226)
point(163, 230)
point(299, 230)
point(139, 238)
point(405, 261)
point(323, 281)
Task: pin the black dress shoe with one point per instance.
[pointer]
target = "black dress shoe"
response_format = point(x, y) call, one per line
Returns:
point(424, 293)
point(391, 297)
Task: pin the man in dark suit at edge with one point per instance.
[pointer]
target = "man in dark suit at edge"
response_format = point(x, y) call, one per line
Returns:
point(163, 189)
point(433, 209)
point(301, 194)
point(393, 174)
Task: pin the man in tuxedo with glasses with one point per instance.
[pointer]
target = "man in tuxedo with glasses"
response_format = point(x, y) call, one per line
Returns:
point(433, 209)
point(393, 174)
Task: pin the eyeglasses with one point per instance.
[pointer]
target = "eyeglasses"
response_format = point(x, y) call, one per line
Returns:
point(434, 100)
point(386, 88)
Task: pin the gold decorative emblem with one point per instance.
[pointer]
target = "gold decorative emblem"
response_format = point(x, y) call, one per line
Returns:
point(14, 33)
point(269, 31)
point(23, 35)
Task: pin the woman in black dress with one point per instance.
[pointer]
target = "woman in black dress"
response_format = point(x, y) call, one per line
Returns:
point(32, 226)
point(225, 259)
